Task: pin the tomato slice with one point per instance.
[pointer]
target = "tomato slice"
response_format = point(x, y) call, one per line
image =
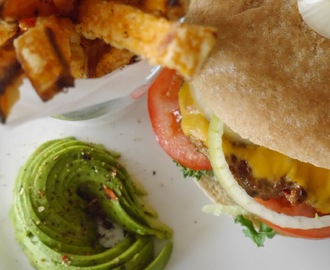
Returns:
point(164, 112)
point(283, 206)
point(320, 233)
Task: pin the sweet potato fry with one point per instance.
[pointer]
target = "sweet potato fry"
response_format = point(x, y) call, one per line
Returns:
point(54, 42)
point(17, 9)
point(78, 59)
point(65, 6)
point(112, 60)
point(170, 9)
point(7, 31)
point(175, 45)
point(9, 97)
point(103, 58)
point(44, 52)
point(11, 76)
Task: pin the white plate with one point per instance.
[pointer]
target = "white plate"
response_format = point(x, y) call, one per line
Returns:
point(201, 241)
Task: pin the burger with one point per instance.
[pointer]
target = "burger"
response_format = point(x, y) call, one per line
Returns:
point(254, 123)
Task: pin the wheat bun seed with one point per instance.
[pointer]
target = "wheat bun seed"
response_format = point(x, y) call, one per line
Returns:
point(268, 77)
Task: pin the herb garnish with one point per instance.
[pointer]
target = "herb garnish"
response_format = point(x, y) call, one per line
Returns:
point(257, 236)
point(193, 173)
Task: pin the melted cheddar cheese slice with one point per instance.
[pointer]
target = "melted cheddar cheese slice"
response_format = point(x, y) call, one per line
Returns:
point(264, 162)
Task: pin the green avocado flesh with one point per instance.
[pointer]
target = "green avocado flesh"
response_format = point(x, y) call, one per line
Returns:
point(63, 189)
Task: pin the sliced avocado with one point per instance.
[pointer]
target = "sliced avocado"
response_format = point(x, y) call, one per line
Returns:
point(60, 192)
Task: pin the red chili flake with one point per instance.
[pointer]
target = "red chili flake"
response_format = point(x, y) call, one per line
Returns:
point(27, 23)
point(65, 259)
point(109, 192)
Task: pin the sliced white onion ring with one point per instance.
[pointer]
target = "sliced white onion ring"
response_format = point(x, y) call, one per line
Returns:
point(202, 104)
point(316, 14)
point(238, 194)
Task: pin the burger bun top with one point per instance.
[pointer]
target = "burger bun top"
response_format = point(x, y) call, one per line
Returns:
point(268, 77)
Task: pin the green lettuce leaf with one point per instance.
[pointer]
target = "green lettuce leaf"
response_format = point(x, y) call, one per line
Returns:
point(258, 236)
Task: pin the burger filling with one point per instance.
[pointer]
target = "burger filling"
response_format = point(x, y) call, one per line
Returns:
point(263, 173)
point(264, 188)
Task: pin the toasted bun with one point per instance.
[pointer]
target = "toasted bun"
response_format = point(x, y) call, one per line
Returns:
point(214, 191)
point(268, 78)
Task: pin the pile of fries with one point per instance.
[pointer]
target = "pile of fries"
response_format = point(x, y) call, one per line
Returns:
point(54, 42)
